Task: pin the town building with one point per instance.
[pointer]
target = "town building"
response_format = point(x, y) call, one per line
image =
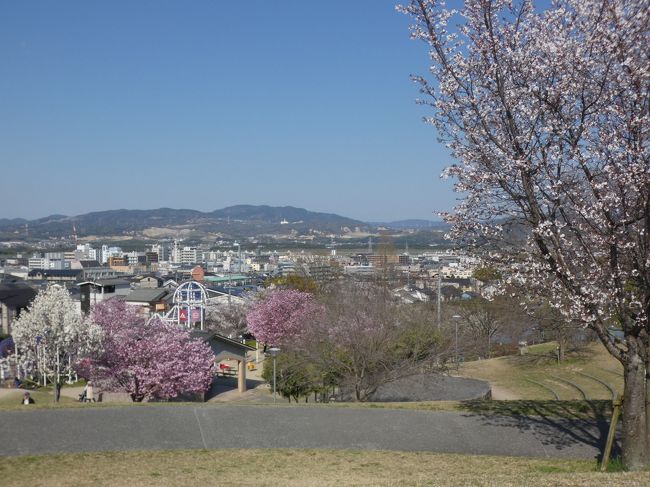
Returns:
point(14, 297)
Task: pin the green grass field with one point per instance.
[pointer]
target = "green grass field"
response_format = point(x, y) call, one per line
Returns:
point(11, 399)
point(308, 468)
point(590, 372)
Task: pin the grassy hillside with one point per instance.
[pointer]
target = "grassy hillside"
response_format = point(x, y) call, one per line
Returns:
point(589, 373)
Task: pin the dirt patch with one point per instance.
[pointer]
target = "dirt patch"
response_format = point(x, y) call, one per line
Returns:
point(503, 394)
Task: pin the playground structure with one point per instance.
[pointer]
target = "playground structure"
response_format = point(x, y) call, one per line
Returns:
point(190, 301)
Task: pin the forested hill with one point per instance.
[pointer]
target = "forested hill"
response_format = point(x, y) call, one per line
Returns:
point(240, 220)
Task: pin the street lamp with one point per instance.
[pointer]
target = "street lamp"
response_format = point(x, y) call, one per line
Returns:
point(273, 352)
point(456, 318)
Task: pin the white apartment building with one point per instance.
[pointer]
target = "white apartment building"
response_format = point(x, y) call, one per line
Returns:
point(189, 255)
point(85, 252)
point(108, 252)
point(184, 255)
point(162, 251)
point(36, 262)
point(212, 256)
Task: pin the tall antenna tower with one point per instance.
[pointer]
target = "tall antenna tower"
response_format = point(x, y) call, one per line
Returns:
point(370, 245)
point(406, 247)
point(74, 233)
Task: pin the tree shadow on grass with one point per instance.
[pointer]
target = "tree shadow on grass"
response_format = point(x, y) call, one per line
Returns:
point(557, 424)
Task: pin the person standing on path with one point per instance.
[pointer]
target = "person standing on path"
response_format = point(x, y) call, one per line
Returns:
point(88, 393)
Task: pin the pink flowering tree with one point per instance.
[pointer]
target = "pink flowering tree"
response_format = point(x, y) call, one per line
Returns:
point(148, 360)
point(548, 115)
point(356, 339)
point(281, 315)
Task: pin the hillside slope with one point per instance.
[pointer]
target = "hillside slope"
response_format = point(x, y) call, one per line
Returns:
point(591, 371)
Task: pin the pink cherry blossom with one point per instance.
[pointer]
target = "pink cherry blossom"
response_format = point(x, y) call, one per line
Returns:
point(280, 315)
point(148, 359)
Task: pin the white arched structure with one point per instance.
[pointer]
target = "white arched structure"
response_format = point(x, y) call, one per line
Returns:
point(189, 305)
point(190, 302)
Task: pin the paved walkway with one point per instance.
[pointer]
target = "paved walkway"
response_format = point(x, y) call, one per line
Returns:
point(228, 426)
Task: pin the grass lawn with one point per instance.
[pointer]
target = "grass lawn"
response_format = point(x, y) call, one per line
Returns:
point(302, 468)
point(43, 398)
point(600, 409)
point(535, 375)
point(10, 399)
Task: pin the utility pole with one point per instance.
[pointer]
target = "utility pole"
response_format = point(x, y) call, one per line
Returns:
point(439, 301)
point(456, 318)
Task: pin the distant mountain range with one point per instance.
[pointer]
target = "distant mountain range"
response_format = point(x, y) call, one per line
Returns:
point(237, 221)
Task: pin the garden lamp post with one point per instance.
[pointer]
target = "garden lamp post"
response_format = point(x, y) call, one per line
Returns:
point(273, 352)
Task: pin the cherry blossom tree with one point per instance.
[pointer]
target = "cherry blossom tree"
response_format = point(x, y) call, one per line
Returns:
point(53, 334)
point(548, 115)
point(356, 338)
point(148, 359)
point(281, 315)
point(228, 319)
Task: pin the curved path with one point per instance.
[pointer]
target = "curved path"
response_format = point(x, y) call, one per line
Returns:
point(207, 426)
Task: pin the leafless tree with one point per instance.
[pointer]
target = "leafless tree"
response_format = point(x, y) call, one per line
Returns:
point(368, 339)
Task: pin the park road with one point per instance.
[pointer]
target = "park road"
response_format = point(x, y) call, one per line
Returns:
point(42, 431)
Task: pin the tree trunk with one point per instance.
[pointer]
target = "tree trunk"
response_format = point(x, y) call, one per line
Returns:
point(57, 391)
point(647, 404)
point(635, 414)
point(561, 343)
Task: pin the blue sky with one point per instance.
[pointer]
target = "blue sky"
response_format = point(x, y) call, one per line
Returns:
point(207, 104)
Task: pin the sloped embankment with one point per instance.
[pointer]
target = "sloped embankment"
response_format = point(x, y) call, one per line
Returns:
point(432, 387)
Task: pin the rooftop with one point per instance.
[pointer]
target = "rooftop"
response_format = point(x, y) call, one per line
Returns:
point(146, 295)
